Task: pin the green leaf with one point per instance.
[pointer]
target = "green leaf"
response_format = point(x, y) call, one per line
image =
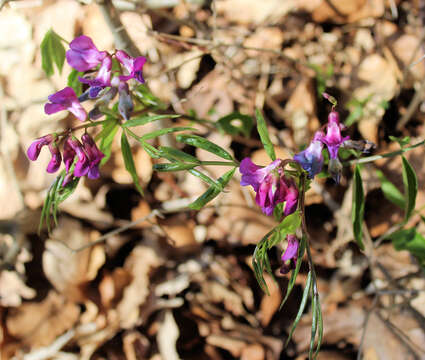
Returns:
point(204, 144)
point(74, 82)
point(411, 240)
point(144, 119)
point(295, 272)
point(129, 162)
point(264, 135)
point(260, 260)
point(245, 127)
point(291, 223)
point(206, 178)
point(160, 132)
point(172, 153)
point(145, 96)
point(390, 191)
point(212, 191)
point(314, 323)
point(56, 195)
point(320, 326)
point(302, 306)
point(52, 52)
point(175, 166)
point(410, 182)
point(401, 141)
point(357, 210)
point(106, 136)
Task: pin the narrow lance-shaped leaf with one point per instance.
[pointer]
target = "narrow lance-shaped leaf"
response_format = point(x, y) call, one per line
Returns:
point(212, 191)
point(320, 328)
point(129, 162)
point(302, 306)
point(145, 119)
point(264, 135)
point(52, 51)
point(204, 144)
point(357, 210)
point(172, 153)
point(175, 166)
point(410, 182)
point(314, 321)
point(227, 123)
point(106, 136)
point(390, 191)
point(161, 132)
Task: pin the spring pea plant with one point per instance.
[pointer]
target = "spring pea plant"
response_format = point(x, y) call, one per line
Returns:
point(122, 101)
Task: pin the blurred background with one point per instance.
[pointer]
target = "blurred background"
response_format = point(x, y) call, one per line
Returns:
point(181, 286)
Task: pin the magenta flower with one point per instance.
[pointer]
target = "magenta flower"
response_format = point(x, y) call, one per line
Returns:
point(134, 66)
point(271, 186)
point(311, 159)
point(333, 138)
point(65, 99)
point(83, 54)
point(34, 151)
point(102, 80)
point(74, 148)
point(94, 155)
point(290, 256)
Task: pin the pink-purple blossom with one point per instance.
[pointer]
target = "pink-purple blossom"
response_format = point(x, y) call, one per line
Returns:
point(333, 138)
point(94, 156)
point(290, 256)
point(311, 159)
point(50, 140)
point(134, 66)
point(74, 148)
point(271, 185)
point(65, 99)
point(83, 54)
point(102, 79)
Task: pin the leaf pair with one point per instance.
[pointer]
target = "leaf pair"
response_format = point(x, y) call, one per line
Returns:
point(52, 52)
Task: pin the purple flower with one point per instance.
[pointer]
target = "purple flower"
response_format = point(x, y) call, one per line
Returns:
point(290, 256)
point(102, 80)
point(94, 155)
point(74, 148)
point(55, 161)
point(83, 54)
point(65, 99)
point(311, 159)
point(134, 66)
point(270, 184)
point(34, 149)
point(333, 138)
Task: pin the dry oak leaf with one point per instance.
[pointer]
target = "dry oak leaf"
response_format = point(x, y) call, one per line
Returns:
point(37, 324)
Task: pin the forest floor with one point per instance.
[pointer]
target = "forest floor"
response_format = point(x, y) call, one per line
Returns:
point(181, 285)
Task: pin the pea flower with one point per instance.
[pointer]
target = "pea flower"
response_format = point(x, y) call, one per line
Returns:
point(74, 148)
point(271, 185)
point(311, 159)
point(83, 54)
point(102, 80)
point(134, 66)
point(94, 156)
point(50, 140)
point(65, 99)
point(290, 256)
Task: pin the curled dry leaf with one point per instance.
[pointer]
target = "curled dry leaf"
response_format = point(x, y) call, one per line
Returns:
point(39, 323)
point(69, 271)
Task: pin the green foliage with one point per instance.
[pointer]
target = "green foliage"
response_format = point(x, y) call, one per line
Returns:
point(322, 76)
point(52, 52)
point(164, 131)
point(145, 119)
point(357, 210)
point(174, 166)
point(316, 324)
point(264, 135)
point(109, 128)
point(74, 82)
point(200, 142)
point(56, 195)
point(390, 191)
point(129, 162)
point(173, 154)
point(212, 191)
point(410, 182)
point(227, 124)
point(411, 240)
point(146, 98)
point(356, 107)
point(401, 141)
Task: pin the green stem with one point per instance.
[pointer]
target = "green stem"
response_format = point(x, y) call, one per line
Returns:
point(387, 155)
point(83, 126)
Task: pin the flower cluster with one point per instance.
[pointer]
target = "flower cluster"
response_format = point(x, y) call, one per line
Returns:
point(85, 155)
point(103, 84)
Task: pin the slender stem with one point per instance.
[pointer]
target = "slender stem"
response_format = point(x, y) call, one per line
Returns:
point(386, 155)
point(83, 126)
